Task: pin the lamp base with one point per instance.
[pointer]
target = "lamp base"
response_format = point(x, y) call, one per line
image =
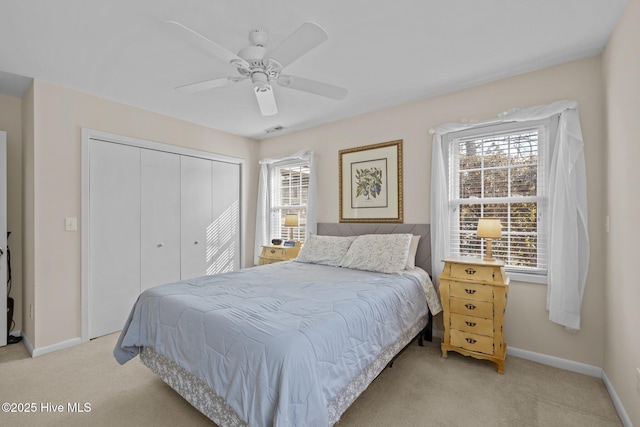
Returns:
point(489, 255)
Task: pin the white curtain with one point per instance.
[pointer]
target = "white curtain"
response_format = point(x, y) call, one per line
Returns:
point(263, 208)
point(568, 237)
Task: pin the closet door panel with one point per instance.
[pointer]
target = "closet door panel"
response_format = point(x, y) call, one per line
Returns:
point(114, 239)
point(196, 218)
point(160, 218)
point(225, 229)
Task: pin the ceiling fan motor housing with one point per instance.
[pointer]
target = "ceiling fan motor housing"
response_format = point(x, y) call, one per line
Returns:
point(261, 70)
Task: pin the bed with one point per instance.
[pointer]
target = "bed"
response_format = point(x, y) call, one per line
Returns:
point(291, 343)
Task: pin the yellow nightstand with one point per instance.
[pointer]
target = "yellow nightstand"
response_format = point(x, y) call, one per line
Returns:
point(474, 299)
point(277, 253)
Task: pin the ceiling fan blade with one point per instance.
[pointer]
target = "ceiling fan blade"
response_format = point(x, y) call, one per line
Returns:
point(266, 101)
point(204, 85)
point(306, 37)
point(313, 86)
point(188, 35)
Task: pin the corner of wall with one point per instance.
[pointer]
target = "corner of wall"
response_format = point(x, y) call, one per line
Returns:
point(28, 212)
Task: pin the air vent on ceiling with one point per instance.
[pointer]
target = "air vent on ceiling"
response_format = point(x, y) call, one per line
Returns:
point(274, 129)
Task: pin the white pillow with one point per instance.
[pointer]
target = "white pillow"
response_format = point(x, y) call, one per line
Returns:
point(385, 253)
point(326, 250)
point(411, 259)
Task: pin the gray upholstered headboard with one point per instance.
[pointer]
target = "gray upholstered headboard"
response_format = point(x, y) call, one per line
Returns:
point(423, 256)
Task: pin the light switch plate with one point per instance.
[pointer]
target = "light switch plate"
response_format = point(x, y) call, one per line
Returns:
point(71, 224)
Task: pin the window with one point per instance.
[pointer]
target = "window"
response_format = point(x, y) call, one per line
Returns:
point(528, 170)
point(500, 171)
point(290, 194)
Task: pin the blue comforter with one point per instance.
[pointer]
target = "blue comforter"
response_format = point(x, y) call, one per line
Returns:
point(277, 342)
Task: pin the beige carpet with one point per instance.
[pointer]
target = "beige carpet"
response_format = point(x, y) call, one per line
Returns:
point(422, 389)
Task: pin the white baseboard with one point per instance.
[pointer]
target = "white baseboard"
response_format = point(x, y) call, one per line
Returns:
point(27, 344)
point(569, 365)
point(580, 368)
point(35, 352)
point(55, 347)
point(624, 417)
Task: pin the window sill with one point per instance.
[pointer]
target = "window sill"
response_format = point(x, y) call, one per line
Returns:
point(529, 278)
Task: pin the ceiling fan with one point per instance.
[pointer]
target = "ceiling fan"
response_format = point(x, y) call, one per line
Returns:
point(263, 67)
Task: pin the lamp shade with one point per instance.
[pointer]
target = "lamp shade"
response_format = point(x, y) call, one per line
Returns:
point(291, 220)
point(489, 228)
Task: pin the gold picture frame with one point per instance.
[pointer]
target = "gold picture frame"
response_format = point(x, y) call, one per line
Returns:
point(370, 179)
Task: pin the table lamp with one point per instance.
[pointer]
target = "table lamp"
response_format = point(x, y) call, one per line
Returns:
point(291, 220)
point(489, 228)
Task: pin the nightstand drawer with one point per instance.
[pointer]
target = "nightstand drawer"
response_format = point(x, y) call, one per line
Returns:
point(473, 342)
point(271, 254)
point(476, 273)
point(472, 291)
point(278, 253)
point(470, 307)
point(477, 325)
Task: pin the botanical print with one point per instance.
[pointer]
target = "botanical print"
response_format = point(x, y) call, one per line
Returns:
point(369, 180)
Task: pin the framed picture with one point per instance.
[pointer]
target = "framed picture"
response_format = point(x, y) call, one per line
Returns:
point(371, 183)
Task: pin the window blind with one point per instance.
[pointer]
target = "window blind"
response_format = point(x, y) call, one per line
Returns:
point(501, 174)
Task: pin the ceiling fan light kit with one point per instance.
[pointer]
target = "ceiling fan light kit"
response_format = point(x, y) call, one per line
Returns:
point(261, 66)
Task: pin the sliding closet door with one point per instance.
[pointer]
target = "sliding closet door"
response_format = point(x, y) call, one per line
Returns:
point(152, 214)
point(196, 217)
point(225, 227)
point(114, 235)
point(160, 218)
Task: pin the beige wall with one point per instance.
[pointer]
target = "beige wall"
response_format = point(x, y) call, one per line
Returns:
point(527, 326)
point(53, 262)
point(11, 122)
point(622, 80)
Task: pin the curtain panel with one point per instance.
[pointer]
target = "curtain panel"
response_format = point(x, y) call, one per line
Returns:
point(568, 252)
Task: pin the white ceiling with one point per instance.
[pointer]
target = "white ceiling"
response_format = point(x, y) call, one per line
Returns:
point(384, 52)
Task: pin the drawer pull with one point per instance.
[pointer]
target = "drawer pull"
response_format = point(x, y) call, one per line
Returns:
point(273, 251)
point(470, 340)
point(472, 324)
point(470, 271)
point(470, 291)
point(470, 306)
